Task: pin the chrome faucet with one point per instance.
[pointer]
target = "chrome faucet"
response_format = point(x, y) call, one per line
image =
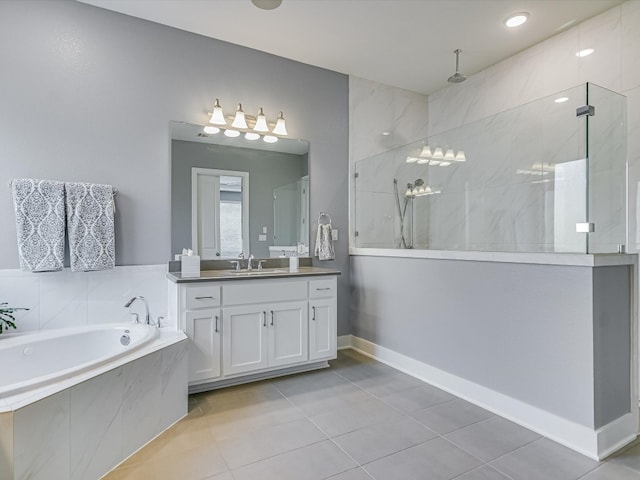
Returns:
point(147, 318)
point(249, 267)
point(236, 264)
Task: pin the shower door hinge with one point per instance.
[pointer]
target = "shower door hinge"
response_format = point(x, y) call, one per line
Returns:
point(356, 175)
point(585, 110)
point(585, 227)
point(356, 233)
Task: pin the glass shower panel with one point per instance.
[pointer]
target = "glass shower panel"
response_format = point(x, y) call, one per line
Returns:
point(607, 170)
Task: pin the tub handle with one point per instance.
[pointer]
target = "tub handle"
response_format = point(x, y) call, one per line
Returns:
point(216, 323)
point(136, 318)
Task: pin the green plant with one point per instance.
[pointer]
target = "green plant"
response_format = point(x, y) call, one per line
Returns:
point(7, 320)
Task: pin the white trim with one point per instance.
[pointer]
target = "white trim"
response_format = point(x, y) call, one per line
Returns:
point(569, 259)
point(596, 444)
point(345, 341)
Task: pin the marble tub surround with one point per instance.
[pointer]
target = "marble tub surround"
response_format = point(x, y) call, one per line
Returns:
point(83, 431)
point(66, 299)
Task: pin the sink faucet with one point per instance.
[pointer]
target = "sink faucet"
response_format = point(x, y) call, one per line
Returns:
point(146, 307)
point(236, 264)
point(249, 267)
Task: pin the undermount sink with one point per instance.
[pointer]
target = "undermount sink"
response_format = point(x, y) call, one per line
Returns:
point(248, 273)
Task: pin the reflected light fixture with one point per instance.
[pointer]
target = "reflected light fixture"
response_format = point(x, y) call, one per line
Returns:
point(412, 159)
point(445, 164)
point(437, 154)
point(460, 156)
point(239, 121)
point(251, 136)
point(585, 52)
point(211, 130)
point(561, 99)
point(270, 139)
point(217, 117)
point(422, 161)
point(232, 133)
point(280, 128)
point(261, 122)
point(449, 156)
point(426, 152)
point(516, 19)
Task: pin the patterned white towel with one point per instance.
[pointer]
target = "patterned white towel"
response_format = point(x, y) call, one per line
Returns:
point(324, 243)
point(39, 208)
point(90, 223)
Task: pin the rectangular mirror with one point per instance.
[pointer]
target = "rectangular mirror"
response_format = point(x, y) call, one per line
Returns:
point(231, 195)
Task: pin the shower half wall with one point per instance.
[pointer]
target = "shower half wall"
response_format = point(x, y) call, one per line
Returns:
point(485, 288)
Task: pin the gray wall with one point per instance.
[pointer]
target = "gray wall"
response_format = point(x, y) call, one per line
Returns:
point(87, 95)
point(267, 170)
point(522, 330)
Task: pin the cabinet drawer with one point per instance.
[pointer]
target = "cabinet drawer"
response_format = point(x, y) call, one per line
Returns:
point(202, 296)
point(266, 291)
point(322, 288)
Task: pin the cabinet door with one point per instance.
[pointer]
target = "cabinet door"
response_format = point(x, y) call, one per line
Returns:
point(288, 333)
point(245, 339)
point(322, 329)
point(203, 330)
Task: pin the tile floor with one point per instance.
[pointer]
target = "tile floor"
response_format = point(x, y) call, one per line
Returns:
point(358, 420)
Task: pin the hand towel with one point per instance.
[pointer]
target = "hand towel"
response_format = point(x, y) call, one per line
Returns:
point(39, 209)
point(324, 243)
point(90, 224)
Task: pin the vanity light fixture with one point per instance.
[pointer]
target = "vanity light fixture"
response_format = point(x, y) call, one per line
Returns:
point(280, 128)
point(449, 156)
point(437, 154)
point(426, 152)
point(585, 52)
point(261, 122)
point(217, 117)
point(516, 19)
point(239, 121)
point(460, 156)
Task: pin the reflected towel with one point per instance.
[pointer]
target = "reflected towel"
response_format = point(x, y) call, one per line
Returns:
point(90, 223)
point(324, 243)
point(39, 209)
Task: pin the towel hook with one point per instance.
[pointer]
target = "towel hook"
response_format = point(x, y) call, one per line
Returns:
point(323, 214)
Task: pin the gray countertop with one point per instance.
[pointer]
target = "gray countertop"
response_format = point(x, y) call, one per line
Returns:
point(226, 275)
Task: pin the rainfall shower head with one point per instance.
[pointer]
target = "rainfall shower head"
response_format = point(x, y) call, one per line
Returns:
point(457, 77)
point(419, 182)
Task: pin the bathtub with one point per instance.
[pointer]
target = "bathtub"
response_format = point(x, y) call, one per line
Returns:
point(32, 360)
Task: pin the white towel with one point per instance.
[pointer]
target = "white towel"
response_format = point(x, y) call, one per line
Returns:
point(39, 208)
point(90, 223)
point(324, 243)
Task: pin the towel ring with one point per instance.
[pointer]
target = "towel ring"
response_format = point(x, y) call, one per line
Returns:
point(323, 214)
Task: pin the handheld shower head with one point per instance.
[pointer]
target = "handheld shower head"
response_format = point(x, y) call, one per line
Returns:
point(457, 77)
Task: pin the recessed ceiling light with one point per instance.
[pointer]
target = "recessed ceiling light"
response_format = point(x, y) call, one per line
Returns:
point(267, 4)
point(516, 19)
point(585, 52)
point(561, 99)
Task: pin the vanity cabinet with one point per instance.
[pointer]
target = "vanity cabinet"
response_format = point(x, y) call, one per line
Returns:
point(256, 326)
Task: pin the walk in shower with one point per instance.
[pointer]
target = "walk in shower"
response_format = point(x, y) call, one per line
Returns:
point(547, 176)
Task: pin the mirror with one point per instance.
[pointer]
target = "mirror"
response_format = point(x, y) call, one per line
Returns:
point(232, 195)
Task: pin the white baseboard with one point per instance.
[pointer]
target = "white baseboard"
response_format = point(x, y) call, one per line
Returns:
point(596, 444)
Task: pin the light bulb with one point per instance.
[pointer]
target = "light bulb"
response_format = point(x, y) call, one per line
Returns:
point(211, 130)
point(585, 53)
point(437, 154)
point(251, 136)
point(239, 120)
point(232, 133)
point(516, 19)
point(460, 156)
point(412, 159)
point(217, 117)
point(261, 122)
point(270, 139)
point(280, 128)
point(561, 99)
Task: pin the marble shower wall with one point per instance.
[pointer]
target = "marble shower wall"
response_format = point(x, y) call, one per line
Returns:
point(550, 67)
point(69, 299)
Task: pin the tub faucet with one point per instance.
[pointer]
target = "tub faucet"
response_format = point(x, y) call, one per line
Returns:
point(147, 318)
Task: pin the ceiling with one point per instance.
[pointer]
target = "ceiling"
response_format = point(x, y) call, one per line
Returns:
point(404, 43)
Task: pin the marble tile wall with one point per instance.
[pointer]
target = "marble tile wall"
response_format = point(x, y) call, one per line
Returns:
point(61, 437)
point(66, 299)
point(527, 128)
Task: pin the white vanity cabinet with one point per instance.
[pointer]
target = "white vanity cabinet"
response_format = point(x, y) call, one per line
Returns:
point(254, 327)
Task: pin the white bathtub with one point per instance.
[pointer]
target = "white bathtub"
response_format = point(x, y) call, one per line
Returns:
point(32, 360)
